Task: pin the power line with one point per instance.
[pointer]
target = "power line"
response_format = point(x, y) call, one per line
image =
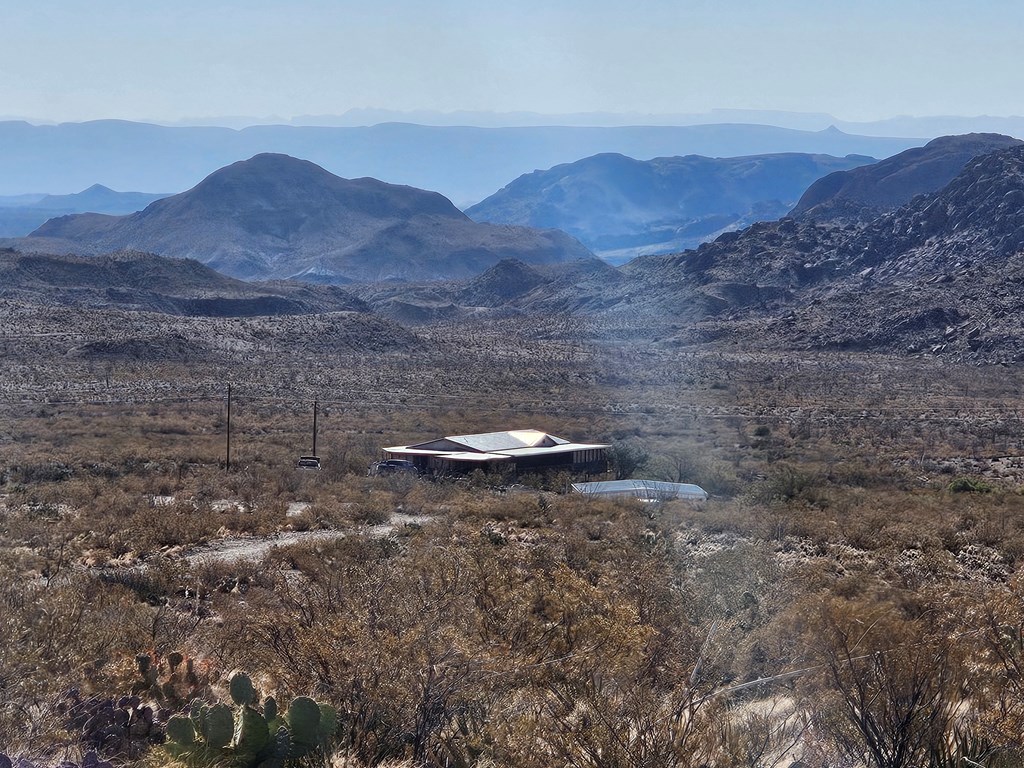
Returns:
point(426, 400)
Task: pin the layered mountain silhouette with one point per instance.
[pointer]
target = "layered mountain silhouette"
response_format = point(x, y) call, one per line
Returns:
point(620, 207)
point(938, 275)
point(98, 199)
point(142, 281)
point(465, 164)
point(275, 216)
point(24, 213)
point(863, 193)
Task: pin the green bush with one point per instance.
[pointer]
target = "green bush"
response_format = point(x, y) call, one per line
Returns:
point(968, 485)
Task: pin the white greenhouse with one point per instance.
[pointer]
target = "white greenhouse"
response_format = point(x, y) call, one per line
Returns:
point(645, 490)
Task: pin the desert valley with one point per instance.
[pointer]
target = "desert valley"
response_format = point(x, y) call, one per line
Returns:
point(827, 345)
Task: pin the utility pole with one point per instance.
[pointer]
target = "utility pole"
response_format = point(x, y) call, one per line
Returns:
point(315, 404)
point(227, 459)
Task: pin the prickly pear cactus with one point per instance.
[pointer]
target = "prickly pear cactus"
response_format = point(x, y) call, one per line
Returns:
point(304, 722)
point(245, 737)
point(242, 691)
point(218, 726)
point(181, 731)
point(270, 709)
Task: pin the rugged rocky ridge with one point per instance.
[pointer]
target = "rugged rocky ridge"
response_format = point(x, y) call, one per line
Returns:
point(861, 194)
point(142, 281)
point(942, 275)
point(978, 218)
point(620, 207)
point(274, 216)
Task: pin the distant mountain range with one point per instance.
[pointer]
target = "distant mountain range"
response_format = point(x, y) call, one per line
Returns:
point(465, 164)
point(21, 214)
point(937, 275)
point(620, 207)
point(275, 217)
point(903, 125)
point(922, 253)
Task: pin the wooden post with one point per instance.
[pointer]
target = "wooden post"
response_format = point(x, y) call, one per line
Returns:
point(227, 456)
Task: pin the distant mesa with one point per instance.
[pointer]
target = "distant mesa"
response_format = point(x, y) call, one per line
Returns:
point(862, 193)
point(620, 207)
point(274, 217)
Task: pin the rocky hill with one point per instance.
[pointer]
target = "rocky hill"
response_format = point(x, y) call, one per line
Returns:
point(940, 275)
point(619, 207)
point(977, 219)
point(142, 281)
point(862, 193)
point(276, 217)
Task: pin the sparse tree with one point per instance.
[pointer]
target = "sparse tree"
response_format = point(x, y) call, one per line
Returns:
point(627, 457)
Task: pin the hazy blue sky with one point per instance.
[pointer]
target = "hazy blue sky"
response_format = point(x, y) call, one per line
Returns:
point(858, 59)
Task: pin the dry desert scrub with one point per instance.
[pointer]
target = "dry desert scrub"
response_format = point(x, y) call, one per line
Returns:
point(837, 563)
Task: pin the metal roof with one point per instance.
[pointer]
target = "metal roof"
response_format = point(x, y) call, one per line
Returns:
point(500, 441)
point(465, 456)
point(560, 448)
point(519, 442)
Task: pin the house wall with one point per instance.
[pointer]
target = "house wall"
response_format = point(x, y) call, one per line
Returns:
point(591, 461)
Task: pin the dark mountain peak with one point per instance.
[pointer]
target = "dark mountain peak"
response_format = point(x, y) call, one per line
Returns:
point(271, 180)
point(509, 269)
point(609, 159)
point(275, 216)
point(506, 280)
point(268, 165)
point(861, 194)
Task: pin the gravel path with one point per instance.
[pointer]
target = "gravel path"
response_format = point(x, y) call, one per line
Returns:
point(234, 548)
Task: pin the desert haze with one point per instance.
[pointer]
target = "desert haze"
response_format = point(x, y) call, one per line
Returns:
point(840, 373)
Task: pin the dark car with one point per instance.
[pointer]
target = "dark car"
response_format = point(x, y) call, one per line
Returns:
point(392, 467)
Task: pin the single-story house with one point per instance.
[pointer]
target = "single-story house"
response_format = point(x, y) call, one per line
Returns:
point(517, 451)
point(645, 490)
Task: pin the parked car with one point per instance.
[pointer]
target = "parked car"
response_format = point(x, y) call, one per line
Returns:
point(308, 462)
point(393, 467)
